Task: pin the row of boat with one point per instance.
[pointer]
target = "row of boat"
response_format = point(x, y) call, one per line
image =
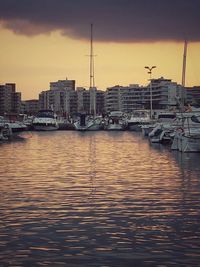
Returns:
point(181, 129)
point(182, 132)
point(46, 120)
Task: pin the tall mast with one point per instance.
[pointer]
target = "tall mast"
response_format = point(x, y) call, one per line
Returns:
point(92, 83)
point(184, 63)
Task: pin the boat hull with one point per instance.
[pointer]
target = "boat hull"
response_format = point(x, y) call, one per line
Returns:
point(88, 128)
point(186, 143)
point(115, 127)
point(136, 127)
point(45, 128)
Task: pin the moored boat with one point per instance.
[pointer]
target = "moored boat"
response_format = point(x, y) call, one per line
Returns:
point(14, 125)
point(45, 121)
point(88, 123)
point(115, 121)
point(5, 132)
point(137, 119)
point(187, 137)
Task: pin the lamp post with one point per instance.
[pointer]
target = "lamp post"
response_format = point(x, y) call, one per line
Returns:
point(151, 104)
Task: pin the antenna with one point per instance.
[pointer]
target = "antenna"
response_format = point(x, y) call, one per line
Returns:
point(184, 63)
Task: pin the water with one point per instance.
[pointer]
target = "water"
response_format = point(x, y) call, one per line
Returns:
point(97, 199)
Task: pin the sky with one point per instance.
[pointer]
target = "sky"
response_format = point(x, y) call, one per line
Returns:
point(49, 40)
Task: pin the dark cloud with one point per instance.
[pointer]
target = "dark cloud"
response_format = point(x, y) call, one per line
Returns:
point(114, 20)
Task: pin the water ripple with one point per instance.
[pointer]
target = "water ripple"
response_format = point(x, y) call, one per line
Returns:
point(97, 199)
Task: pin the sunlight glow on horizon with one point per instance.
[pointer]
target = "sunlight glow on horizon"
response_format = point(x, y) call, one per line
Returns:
point(33, 62)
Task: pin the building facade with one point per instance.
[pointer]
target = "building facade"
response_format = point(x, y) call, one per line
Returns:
point(30, 107)
point(61, 97)
point(10, 100)
point(83, 100)
point(65, 100)
point(165, 95)
point(125, 99)
point(193, 95)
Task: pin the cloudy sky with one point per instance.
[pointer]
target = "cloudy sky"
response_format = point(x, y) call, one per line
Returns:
point(47, 40)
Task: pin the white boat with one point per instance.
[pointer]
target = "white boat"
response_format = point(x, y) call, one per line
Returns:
point(147, 128)
point(163, 133)
point(88, 123)
point(163, 128)
point(15, 126)
point(45, 121)
point(186, 142)
point(153, 127)
point(115, 121)
point(5, 132)
point(65, 123)
point(187, 137)
point(27, 120)
point(137, 119)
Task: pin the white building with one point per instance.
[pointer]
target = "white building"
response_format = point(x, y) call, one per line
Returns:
point(165, 94)
point(125, 99)
point(61, 97)
point(62, 93)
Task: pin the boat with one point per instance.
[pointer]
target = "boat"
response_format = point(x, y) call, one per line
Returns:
point(137, 119)
point(88, 123)
point(5, 132)
point(147, 128)
point(162, 117)
point(187, 136)
point(27, 120)
point(115, 121)
point(45, 121)
point(14, 125)
point(65, 123)
point(164, 127)
point(186, 142)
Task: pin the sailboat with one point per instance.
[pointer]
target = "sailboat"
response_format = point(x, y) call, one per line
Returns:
point(90, 122)
point(187, 137)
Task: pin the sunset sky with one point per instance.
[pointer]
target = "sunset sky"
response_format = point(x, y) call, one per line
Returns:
point(48, 40)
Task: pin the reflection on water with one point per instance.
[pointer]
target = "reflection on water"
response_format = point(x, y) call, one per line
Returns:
point(97, 199)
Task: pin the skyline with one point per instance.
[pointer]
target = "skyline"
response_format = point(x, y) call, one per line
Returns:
point(40, 47)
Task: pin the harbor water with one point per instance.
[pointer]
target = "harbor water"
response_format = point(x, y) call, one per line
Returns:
point(108, 199)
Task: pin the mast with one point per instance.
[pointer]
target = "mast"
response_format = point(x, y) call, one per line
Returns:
point(92, 81)
point(184, 63)
point(183, 76)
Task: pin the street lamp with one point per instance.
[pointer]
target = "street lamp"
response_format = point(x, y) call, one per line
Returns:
point(151, 104)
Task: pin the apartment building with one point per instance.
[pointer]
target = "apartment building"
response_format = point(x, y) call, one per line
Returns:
point(64, 99)
point(193, 95)
point(90, 100)
point(83, 100)
point(125, 99)
point(61, 97)
point(165, 94)
point(10, 100)
point(30, 107)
